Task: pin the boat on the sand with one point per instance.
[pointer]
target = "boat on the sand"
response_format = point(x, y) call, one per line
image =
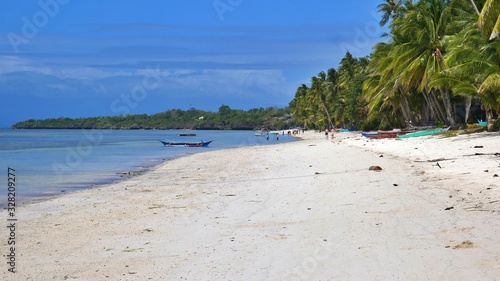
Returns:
point(369, 134)
point(383, 134)
point(424, 133)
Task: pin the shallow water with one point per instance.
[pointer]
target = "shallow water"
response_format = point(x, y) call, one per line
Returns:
point(48, 162)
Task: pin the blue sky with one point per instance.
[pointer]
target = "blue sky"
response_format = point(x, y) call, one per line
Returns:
point(100, 58)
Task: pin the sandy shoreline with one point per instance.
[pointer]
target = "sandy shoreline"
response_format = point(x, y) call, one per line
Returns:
point(307, 210)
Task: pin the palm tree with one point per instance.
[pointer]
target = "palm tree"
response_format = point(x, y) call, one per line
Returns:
point(386, 102)
point(310, 104)
point(474, 63)
point(349, 106)
point(419, 54)
point(301, 106)
point(318, 92)
point(390, 9)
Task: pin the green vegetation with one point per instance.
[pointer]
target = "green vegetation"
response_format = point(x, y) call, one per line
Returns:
point(442, 58)
point(334, 98)
point(225, 119)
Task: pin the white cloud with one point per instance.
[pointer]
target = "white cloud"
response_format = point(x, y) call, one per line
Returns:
point(61, 87)
point(11, 64)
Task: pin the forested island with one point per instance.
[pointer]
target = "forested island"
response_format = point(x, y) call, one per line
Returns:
point(224, 119)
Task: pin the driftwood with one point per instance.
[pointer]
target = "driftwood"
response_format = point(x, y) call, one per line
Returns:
point(467, 155)
point(436, 160)
point(480, 154)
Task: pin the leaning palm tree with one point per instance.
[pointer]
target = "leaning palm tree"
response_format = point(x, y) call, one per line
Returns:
point(319, 92)
point(386, 99)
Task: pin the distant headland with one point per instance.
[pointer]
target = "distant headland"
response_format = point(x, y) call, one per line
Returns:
point(225, 119)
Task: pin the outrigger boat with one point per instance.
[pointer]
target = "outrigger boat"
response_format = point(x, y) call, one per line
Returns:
point(424, 133)
point(383, 134)
point(262, 133)
point(186, 144)
point(369, 134)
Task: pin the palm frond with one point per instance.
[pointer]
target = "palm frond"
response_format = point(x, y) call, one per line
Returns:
point(489, 17)
point(491, 83)
point(495, 33)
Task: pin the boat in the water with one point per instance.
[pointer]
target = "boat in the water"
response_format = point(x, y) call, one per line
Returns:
point(262, 133)
point(424, 133)
point(186, 135)
point(185, 144)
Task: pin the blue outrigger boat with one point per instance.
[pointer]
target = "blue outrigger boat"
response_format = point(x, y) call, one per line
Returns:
point(185, 144)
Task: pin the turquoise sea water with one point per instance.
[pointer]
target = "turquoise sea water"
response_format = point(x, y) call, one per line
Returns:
point(49, 162)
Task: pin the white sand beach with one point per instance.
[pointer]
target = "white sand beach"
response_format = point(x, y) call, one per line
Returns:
point(306, 210)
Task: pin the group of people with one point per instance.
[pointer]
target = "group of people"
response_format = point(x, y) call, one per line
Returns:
point(296, 131)
point(329, 133)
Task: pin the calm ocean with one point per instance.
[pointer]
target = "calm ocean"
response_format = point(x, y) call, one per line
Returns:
point(50, 162)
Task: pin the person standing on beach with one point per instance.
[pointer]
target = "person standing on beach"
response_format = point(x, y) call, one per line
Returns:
point(332, 131)
point(326, 133)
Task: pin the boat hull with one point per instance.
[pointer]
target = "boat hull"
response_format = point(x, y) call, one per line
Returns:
point(186, 144)
point(383, 134)
point(423, 133)
point(369, 134)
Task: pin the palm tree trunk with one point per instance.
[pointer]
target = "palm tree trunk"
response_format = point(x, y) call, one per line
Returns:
point(468, 104)
point(441, 115)
point(409, 111)
point(433, 103)
point(429, 104)
point(475, 7)
point(448, 107)
point(327, 114)
point(489, 118)
point(406, 111)
point(406, 117)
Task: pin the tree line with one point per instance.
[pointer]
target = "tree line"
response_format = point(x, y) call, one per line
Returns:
point(441, 59)
point(224, 119)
